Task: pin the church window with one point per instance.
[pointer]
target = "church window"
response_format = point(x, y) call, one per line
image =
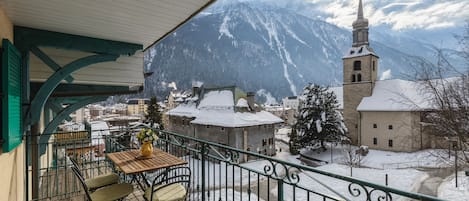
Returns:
point(390, 127)
point(360, 50)
point(374, 68)
point(375, 126)
point(353, 78)
point(359, 77)
point(390, 143)
point(357, 65)
point(375, 141)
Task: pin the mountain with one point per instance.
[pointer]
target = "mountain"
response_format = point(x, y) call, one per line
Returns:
point(265, 49)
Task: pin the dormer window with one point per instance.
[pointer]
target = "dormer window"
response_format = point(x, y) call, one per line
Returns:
point(352, 52)
point(357, 65)
point(360, 50)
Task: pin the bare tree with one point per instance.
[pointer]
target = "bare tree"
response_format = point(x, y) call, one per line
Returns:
point(447, 89)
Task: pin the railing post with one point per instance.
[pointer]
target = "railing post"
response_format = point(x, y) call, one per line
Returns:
point(280, 189)
point(34, 162)
point(167, 142)
point(202, 152)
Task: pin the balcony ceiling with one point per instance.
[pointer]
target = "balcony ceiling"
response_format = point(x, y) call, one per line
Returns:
point(136, 21)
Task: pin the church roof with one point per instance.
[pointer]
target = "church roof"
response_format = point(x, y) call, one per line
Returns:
point(397, 95)
point(359, 51)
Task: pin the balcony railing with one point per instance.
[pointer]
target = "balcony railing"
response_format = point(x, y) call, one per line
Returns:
point(217, 173)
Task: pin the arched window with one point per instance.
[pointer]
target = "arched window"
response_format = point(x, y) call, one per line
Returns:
point(359, 77)
point(353, 78)
point(357, 65)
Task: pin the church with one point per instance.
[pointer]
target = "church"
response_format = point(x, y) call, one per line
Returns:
point(382, 114)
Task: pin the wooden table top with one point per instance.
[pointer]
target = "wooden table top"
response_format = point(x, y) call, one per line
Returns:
point(128, 162)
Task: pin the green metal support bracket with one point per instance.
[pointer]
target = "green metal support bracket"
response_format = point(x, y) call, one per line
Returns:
point(25, 38)
point(46, 89)
point(61, 116)
point(56, 107)
point(49, 62)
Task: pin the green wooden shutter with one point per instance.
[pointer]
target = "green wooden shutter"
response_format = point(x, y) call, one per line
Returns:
point(11, 97)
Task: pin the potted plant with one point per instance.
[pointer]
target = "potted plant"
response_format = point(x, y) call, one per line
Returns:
point(146, 137)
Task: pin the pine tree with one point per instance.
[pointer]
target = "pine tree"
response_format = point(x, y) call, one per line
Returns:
point(154, 115)
point(294, 144)
point(319, 120)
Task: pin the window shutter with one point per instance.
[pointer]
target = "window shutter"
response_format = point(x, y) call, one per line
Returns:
point(11, 97)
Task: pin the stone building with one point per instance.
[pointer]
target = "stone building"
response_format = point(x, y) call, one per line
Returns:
point(385, 114)
point(228, 116)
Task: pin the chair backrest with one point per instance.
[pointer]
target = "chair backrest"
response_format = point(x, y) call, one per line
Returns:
point(172, 175)
point(75, 164)
point(77, 173)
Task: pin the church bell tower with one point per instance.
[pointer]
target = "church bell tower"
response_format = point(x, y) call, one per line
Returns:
point(360, 67)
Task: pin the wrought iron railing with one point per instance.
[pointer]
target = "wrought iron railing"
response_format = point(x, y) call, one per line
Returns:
point(218, 174)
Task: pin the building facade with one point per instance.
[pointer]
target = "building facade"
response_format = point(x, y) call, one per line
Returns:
point(385, 114)
point(227, 116)
point(137, 106)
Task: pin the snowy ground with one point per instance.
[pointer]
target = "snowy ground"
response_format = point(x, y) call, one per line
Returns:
point(430, 158)
point(448, 190)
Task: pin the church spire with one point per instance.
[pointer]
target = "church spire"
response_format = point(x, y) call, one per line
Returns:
point(360, 10)
point(360, 28)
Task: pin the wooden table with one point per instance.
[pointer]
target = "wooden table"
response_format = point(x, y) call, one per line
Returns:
point(129, 163)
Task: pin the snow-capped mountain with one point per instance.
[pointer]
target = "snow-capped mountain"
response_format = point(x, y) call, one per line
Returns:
point(265, 49)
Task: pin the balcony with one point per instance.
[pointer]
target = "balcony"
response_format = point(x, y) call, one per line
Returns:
point(217, 173)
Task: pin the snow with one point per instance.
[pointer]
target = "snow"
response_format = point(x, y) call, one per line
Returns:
point(378, 159)
point(224, 29)
point(359, 51)
point(242, 103)
point(386, 75)
point(227, 118)
point(405, 179)
point(318, 126)
point(282, 134)
point(270, 100)
point(448, 190)
point(396, 95)
point(98, 130)
point(217, 109)
point(217, 99)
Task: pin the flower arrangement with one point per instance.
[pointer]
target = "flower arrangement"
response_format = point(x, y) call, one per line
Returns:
point(147, 135)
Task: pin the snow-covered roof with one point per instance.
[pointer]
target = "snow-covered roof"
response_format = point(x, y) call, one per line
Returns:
point(242, 103)
point(396, 95)
point(339, 93)
point(359, 51)
point(217, 108)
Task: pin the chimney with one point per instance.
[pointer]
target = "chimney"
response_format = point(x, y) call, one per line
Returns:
point(250, 99)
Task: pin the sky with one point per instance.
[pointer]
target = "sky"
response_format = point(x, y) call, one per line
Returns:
point(400, 15)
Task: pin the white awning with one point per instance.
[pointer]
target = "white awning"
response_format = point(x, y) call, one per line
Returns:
point(136, 21)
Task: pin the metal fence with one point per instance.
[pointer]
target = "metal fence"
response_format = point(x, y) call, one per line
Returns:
point(217, 172)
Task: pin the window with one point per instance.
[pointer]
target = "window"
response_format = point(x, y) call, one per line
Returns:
point(390, 127)
point(357, 65)
point(390, 143)
point(375, 141)
point(207, 126)
point(222, 128)
point(353, 78)
point(374, 68)
point(375, 126)
point(264, 142)
point(359, 77)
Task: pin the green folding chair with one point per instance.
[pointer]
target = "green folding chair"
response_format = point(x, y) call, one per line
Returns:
point(171, 185)
point(107, 193)
point(99, 181)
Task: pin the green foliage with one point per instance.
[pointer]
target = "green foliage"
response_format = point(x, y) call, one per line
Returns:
point(154, 114)
point(294, 144)
point(319, 120)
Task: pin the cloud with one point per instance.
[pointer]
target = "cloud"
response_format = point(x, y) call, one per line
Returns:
point(399, 14)
point(386, 75)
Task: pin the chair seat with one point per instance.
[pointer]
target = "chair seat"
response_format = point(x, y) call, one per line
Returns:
point(172, 192)
point(102, 180)
point(112, 192)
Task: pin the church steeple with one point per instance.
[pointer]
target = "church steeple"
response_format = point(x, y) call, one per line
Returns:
point(360, 28)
